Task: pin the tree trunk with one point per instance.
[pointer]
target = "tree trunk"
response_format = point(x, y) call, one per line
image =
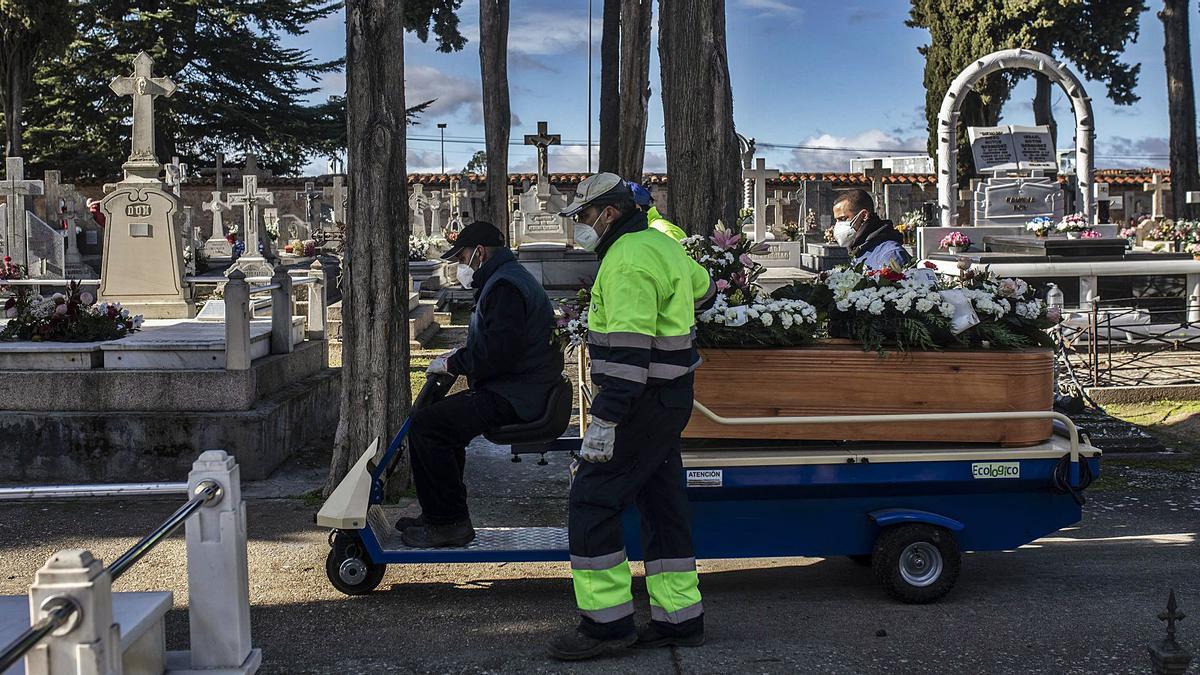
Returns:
point(14, 104)
point(1181, 102)
point(610, 89)
point(1043, 110)
point(497, 116)
point(702, 148)
point(375, 382)
point(635, 87)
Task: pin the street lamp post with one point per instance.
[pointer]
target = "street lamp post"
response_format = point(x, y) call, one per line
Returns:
point(442, 128)
point(589, 115)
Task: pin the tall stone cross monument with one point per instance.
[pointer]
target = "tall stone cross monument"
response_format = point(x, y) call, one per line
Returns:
point(217, 246)
point(1157, 187)
point(14, 188)
point(760, 174)
point(252, 263)
point(143, 240)
point(876, 173)
point(542, 140)
point(310, 195)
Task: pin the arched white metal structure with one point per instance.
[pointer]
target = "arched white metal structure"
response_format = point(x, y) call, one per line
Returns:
point(1010, 59)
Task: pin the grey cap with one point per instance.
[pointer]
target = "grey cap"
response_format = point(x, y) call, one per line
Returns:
point(591, 189)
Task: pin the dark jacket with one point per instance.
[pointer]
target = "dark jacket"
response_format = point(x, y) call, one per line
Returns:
point(510, 347)
point(878, 244)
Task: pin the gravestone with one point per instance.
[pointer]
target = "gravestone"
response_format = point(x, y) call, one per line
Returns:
point(542, 140)
point(1014, 201)
point(435, 203)
point(143, 88)
point(897, 200)
point(824, 257)
point(52, 191)
point(14, 188)
point(176, 174)
point(252, 263)
point(339, 198)
point(760, 174)
point(312, 212)
point(538, 225)
point(418, 204)
point(272, 245)
point(217, 246)
point(818, 198)
point(1157, 188)
point(75, 267)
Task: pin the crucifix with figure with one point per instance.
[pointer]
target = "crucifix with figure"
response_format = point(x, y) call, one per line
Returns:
point(14, 188)
point(250, 198)
point(143, 87)
point(542, 140)
point(760, 174)
point(310, 195)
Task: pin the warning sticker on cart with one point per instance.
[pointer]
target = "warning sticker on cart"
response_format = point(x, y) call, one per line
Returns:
point(705, 477)
point(996, 470)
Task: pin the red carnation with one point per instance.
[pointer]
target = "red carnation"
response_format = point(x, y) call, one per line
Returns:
point(891, 274)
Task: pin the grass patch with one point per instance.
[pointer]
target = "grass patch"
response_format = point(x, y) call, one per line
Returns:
point(312, 498)
point(1175, 423)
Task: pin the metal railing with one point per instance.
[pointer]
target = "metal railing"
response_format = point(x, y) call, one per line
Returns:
point(91, 491)
point(1119, 344)
point(61, 609)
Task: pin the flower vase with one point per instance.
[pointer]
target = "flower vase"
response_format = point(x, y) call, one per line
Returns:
point(1072, 235)
point(1039, 235)
point(955, 250)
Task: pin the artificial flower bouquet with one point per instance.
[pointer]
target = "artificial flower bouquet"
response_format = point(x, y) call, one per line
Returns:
point(1091, 234)
point(955, 241)
point(571, 320)
point(1040, 226)
point(1072, 223)
point(73, 316)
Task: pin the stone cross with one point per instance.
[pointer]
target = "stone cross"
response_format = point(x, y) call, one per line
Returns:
point(1156, 201)
point(435, 212)
point(14, 188)
point(251, 168)
point(417, 203)
point(455, 195)
point(876, 173)
point(70, 216)
point(760, 174)
point(310, 194)
point(249, 199)
point(220, 170)
point(746, 150)
point(542, 140)
point(217, 245)
point(776, 203)
point(52, 189)
point(144, 88)
point(177, 175)
point(339, 196)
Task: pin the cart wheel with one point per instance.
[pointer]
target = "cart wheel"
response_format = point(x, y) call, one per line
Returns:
point(350, 569)
point(916, 563)
point(864, 560)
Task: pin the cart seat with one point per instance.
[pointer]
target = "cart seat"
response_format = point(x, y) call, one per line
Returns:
point(552, 423)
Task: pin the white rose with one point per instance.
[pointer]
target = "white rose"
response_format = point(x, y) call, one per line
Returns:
point(767, 319)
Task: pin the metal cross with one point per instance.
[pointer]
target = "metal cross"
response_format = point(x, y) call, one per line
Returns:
point(310, 194)
point(542, 140)
point(249, 199)
point(143, 87)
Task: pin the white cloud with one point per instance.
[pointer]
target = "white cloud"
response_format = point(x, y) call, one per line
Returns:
point(544, 31)
point(774, 8)
point(873, 142)
point(454, 95)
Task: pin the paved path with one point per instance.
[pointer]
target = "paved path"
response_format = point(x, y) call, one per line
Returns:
point(1081, 601)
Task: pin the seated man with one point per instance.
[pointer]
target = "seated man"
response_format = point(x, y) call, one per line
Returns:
point(511, 363)
point(871, 240)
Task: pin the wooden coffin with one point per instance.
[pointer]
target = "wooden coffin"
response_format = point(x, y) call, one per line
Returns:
point(842, 379)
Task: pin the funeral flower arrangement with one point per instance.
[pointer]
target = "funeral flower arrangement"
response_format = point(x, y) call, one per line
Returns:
point(909, 222)
point(571, 320)
point(1040, 226)
point(73, 316)
point(1091, 234)
point(421, 248)
point(955, 240)
point(1075, 222)
point(742, 315)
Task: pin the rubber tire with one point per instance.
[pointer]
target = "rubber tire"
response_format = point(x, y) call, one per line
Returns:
point(333, 563)
point(864, 560)
point(892, 542)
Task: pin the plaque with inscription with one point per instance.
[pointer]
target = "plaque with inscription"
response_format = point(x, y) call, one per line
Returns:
point(1012, 148)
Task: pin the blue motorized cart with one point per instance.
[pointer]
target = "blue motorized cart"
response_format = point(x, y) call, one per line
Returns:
point(908, 510)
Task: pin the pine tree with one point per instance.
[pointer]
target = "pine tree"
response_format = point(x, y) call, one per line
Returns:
point(32, 32)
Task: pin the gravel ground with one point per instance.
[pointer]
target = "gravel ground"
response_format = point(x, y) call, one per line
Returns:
point(1083, 600)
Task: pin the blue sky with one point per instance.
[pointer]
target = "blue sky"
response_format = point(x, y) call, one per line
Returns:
point(804, 72)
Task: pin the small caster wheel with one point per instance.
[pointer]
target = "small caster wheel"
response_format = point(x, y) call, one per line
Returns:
point(916, 563)
point(516, 459)
point(349, 568)
point(542, 461)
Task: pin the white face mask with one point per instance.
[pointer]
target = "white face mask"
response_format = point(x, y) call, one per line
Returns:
point(465, 273)
point(843, 231)
point(586, 236)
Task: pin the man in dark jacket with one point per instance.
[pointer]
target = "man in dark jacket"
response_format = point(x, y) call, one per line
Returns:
point(511, 364)
point(872, 241)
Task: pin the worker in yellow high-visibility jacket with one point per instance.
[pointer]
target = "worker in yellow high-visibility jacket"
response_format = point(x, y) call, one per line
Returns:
point(641, 327)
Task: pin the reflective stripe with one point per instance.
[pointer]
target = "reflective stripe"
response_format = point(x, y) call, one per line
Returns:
point(712, 290)
point(620, 339)
point(621, 370)
point(666, 371)
point(609, 614)
point(686, 614)
point(667, 565)
point(600, 562)
point(673, 342)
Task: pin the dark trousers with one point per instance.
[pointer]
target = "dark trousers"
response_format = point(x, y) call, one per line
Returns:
point(646, 470)
point(437, 444)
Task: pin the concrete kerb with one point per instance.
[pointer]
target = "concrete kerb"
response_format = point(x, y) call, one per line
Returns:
point(1145, 393)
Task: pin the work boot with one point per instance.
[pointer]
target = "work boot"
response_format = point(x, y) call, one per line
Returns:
point(578, 645)
point(651, 635)
point(454, 535)
point(406, 522)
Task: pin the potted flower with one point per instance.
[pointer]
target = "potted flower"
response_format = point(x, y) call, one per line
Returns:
point(1091, 234)
point(955, 243)
point(1072, 225)
point(1194, 249)
point(1040, 226)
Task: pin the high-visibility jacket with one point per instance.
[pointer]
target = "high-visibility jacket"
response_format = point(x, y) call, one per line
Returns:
point(642, 318)
point(663, 225)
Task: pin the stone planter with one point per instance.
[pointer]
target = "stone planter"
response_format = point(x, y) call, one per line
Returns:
point(824, 379)
point(956, 250)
